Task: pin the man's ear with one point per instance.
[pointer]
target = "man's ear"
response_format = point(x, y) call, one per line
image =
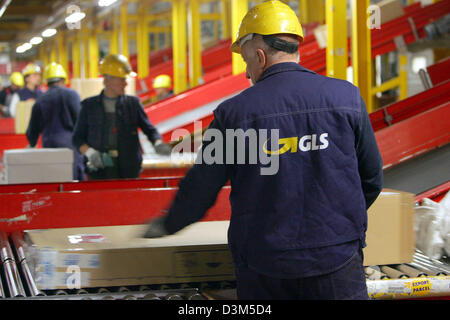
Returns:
point(262, 58)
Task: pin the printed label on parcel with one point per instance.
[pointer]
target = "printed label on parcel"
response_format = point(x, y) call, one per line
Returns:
point(203, 263)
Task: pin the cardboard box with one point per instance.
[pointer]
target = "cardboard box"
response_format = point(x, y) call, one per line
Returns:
point(390, 235)
point(22, 116)
point(116, 255)
point(38, 165)
point(93, 86)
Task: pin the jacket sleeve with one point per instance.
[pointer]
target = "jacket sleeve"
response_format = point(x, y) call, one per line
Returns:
point(197, 191)
point(35, 125)
point(144, 123)
point(74, 105)
point(80, 132)
point(370, 163)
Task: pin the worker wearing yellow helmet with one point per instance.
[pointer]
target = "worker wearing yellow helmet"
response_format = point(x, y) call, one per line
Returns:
point(17, 79)
point(54, 115)
point(309, 170)
point(107, 131)
point(30, 92)
point(7, 93)
point(163, 86)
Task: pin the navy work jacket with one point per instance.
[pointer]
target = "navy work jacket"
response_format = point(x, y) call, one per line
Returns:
point(309, 217)
point(130, 116)
point(25, 94)
point(54, 115)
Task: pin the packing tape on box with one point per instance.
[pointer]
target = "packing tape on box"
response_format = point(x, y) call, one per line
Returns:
point(408, 288)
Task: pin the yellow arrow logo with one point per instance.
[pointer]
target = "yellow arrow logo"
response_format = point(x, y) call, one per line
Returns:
point(288, 144)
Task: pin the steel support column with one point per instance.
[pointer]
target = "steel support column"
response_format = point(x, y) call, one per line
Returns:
point(179, 44)
point(93, 55)
point(224, 12)
point(361, 51)
point(312, 11)
point(114, 36)
point(403, 75)
point(142, 43)
point(43, 54)
point(124, 28)
point(337, 43)
point(62, 50)
point(303, 11)
point(76, 65)
point(195, 52)
point(238, 10)
point(85, 40)
point(53, 51)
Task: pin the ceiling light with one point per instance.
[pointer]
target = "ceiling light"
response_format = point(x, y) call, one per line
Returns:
point(27, 46)
point(35, 40)
point(75, 17)
point(105, 3)
point(49, 32)
point(20, 49)
point(24, 47)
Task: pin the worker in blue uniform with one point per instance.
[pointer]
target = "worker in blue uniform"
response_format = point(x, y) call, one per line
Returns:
point(107, 129)
point(54, 115)
point(296, 232)
point(17, 82)
point(30, 92)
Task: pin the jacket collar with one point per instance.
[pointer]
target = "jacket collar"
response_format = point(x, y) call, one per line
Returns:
point(282, 67)
point(102, 94)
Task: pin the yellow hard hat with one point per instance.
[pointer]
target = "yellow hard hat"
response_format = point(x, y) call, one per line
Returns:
point(162, 81)
point(116, 65)
point(17, 79)
point(54, 71)
point(30, 69)
point(271, 17)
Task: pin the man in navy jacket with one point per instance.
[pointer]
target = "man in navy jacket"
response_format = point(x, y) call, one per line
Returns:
point(54, 115)
point(296, 232)
point(32, 76)
point(107, 129)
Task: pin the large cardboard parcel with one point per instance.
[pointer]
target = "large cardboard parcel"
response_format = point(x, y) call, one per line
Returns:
point(390, 235)
point(116, 256)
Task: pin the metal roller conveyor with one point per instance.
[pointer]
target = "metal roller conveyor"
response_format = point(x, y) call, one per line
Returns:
point(412, 272)
point(19, 246)
point(10, 270)
point(393, 273)
point(181, 294)
point(422, 278)
point(2, 291)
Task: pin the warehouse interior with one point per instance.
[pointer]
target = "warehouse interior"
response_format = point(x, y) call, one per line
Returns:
point(64, 239)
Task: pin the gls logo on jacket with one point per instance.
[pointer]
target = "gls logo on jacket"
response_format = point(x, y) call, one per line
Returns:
point(305, 144)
